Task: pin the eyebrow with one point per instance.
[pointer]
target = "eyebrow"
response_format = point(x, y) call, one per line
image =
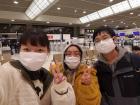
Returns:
point(73, 51)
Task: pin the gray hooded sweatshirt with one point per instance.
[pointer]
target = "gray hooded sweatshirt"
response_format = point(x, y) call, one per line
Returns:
point(118, 99)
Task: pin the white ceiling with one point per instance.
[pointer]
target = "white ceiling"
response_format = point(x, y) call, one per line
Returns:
point(67, 14)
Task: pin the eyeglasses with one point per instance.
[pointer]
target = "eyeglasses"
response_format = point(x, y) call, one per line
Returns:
point(73, 53)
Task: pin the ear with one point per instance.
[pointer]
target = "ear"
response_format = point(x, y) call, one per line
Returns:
point(114, 38)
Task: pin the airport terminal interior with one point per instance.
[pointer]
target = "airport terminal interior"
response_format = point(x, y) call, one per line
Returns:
point(68, 21)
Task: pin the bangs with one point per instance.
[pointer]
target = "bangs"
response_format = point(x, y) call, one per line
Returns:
point(107, 29)
point(35, 39)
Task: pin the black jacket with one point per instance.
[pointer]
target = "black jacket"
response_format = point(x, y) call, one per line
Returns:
point(121, 87)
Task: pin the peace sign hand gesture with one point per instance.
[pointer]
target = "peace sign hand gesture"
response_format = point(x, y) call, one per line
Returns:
point(58, 76)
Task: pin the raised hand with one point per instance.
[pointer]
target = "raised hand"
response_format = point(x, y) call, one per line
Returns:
point(86, 76)
point(58, 76)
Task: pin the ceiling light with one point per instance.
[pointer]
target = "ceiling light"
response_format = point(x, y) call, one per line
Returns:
point(37, 7)
point(117, 26)
point(58, 8)
point(105, 25)
point(104, 20)
point(88, 25)
point(48, 22)
point(105, 12)
point(15, 2)
point(121, 22)
point(84, 19)
point(111, 0)
point(131, 13)
point(112, 21)
point(84, 12)
point(12, 20)
point(114, 9)
point(124, 23)
point(93, 16)
point(70, 23)
point(134, 3)
point(126, 26)
point(134, 23)
point(51, 1)
point(138, 14)
point(121, 7)
point(75, 11)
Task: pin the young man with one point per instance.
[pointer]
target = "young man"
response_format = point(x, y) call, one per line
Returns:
point(118, 71)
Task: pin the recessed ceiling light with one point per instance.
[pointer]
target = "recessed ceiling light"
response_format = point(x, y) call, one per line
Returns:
point(121, 22)
point(105, 25)
point(131, 13)
point(112, 21)
point(117, 26)
point(75, 11)
point(15, 2)
point(12, 20)
point(47, 22)
point(58, 8)
point(134, 23)
point(111, 0)
point(126, 26)
point(84, 12)
point(104, 20)
point(70, 23)
point(138, 14)
point(124, 23)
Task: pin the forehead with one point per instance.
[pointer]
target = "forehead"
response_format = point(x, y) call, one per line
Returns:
point(32, 46)
point(72, 48)
point(102, 34)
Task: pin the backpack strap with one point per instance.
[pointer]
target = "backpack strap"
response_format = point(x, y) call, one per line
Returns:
point(134, 60)
point(46, 76)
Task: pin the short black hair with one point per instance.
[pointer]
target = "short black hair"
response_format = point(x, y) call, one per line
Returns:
point(35, 38)
point(135, 48)
point(100, 29)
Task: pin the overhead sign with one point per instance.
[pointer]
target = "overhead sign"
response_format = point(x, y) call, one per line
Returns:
point(54, 36)
point(136, 33)
point(66, 37)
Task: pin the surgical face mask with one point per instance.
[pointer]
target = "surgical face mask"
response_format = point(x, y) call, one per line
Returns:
point(105, 46)
point(72, 62)
point(32, 61)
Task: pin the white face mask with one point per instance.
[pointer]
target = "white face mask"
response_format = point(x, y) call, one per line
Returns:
point(72, 62)
point(32, 61)
point(105, 46)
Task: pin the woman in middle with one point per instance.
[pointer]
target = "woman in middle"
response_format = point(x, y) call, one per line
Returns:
point(82, 77)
